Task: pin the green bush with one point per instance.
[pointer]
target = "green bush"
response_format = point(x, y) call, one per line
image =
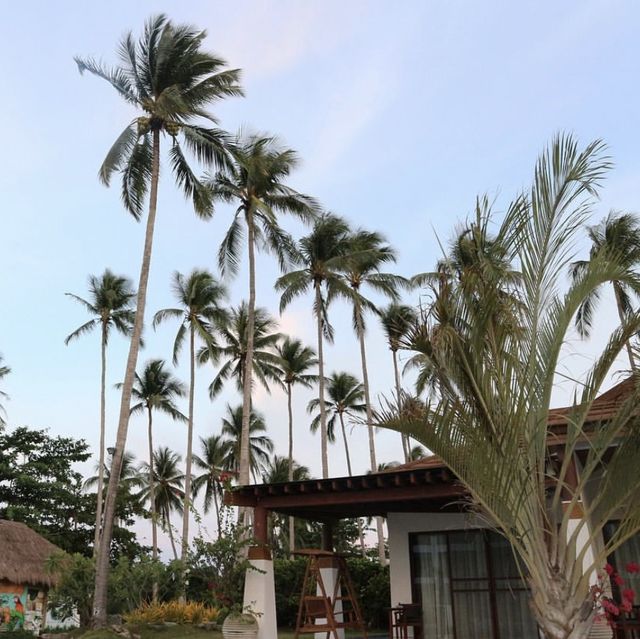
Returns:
point(288, 576)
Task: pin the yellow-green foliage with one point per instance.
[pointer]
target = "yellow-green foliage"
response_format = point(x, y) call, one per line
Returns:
point(172, 611)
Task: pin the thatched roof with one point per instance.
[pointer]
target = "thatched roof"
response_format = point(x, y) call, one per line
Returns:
point(23, 553)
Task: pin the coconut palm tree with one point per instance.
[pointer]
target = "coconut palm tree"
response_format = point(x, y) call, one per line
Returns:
point(4, 371)
point(155, 389)
point(294, 362)
point(345, 397)
point(490, 424)
point(110, 304)
point(168, 484)
point(231, 349)
point(397, 320)
point(255, 182)
point(214, 465)
point(368, 253)
point(200, 296)
point(618, 234)
point(172, 81)
point(260, 445)
point(321, 256)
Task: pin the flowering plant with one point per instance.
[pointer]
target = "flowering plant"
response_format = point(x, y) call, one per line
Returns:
point(609, 606)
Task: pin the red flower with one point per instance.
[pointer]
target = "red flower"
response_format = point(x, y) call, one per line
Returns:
point(618, 580)
point(632, 567)
point(610, 569)
point(626, 606)
point(629, 594)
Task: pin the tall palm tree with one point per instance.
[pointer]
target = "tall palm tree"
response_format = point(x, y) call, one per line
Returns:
point(321, 256)
point(111, 305)
point(368, 253)
point(294, 362)
point(168, 484)
point(345, 397)
point(396, 320)
point(200, 296)
point(490, 424)
point(260, 445)
point(172, 81)
point(155, 389)
point(214, 465)
point(232, 348)
point(4, 371)
point(255, 182)
point(619, 235)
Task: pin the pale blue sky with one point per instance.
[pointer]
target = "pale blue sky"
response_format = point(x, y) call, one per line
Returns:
point(401, 111)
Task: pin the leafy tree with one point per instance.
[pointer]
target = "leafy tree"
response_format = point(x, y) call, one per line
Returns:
point(232, 346)
point(168, 488)
point(169, 77)
point(111, 305)
point(4, 371)
point(321, 256)
point(214, 465)
point(490, 424)
point(255, 182)
point(260, 446)
point(156, 389)
point(397, 320)
point(200, 296)
point(618, 235)
point(295, 361)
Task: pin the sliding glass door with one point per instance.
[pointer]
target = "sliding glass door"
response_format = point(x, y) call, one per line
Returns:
point(469, 588)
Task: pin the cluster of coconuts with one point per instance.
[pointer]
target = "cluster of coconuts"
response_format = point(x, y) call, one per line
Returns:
point(144, 126)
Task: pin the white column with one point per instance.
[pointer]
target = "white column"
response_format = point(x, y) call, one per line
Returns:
point(260, 592)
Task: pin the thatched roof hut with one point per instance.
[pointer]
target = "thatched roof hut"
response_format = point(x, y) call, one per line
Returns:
point(23, 555)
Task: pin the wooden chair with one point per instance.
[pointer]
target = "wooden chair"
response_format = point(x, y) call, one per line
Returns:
point(403, 617)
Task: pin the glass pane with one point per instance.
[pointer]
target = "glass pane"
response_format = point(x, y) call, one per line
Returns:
point(468, 555)
point(514, 615)
point(473, 615)
point(503, 563)
point(432, 582)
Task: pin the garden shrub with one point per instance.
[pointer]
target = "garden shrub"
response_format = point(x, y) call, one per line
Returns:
point(193, 612)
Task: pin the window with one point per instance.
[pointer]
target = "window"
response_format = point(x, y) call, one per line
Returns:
point(468, 585)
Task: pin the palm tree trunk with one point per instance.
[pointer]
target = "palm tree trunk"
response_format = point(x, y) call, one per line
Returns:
point(103, 383)
point(323, 411)
point(217, 507)
point(102, 562)
point(152, 499)
point(406, 446)
point(292, 528)
point(187, 475)
point(616, 289)
point(372, 443)
point(363, 548)
point(245, 462)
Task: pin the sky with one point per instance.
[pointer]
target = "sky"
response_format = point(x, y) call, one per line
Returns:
point(402, 112)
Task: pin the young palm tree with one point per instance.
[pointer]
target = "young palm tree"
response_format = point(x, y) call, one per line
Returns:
point(368, 254)
point(294, 362)
point(232, 349)
point(214, 465)
point(490, 424)
point(111, 305)
point(255, 182)
point(619, 235)
point(397, 320)
point(168, 484)
point(200, 296)
point(321, 256)
point(172, 81)
point(260, 446)
point(4, 371)
point(345, 397)
point(155, 389)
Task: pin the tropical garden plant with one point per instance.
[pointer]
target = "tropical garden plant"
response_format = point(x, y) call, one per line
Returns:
point(255, 182)
point(200, 296)
point(110, 303)
point(171, 80)
point(321, 256)
point(489, 421)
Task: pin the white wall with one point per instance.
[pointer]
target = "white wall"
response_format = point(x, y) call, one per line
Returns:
point(400, 526)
